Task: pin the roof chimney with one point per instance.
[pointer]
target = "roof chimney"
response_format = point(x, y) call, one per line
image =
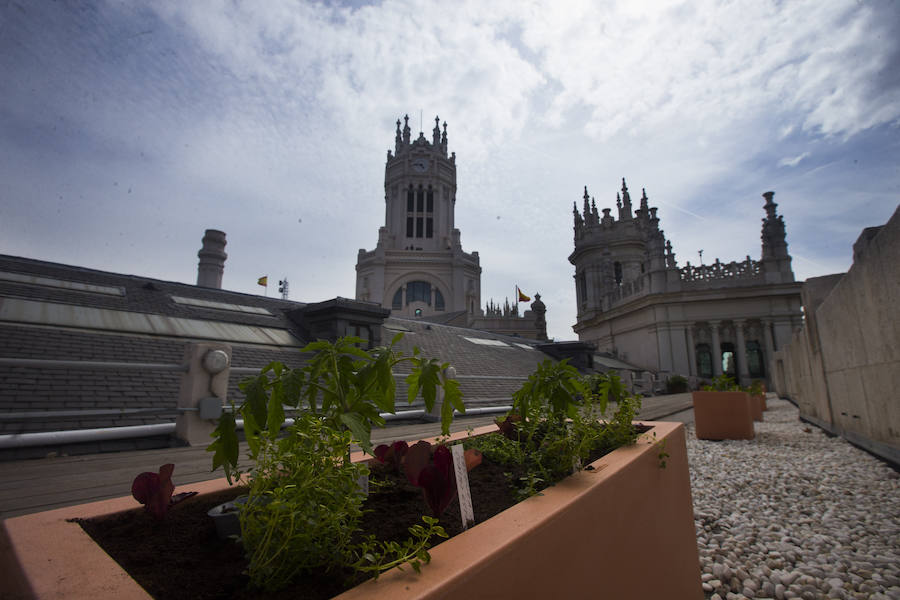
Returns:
point(212, 259)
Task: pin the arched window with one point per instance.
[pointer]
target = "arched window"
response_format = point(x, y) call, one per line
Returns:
point(438, 300)
point(418, 291)
point(704, 361)
point(420, 212)
point(397, 302)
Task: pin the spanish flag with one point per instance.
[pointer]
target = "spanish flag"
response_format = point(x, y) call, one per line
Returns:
point(522, 297)
point(264, 281)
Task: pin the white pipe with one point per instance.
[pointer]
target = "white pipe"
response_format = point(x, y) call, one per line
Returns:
point(75, 436)
point(40, 363)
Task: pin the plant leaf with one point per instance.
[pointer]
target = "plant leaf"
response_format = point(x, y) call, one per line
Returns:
point(360, 429)
point(275, 416)
point(225, 445)
point(417, 458)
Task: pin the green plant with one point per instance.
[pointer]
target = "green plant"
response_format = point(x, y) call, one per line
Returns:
point(722, 383)
point(304, 509)
point(557, 426)
point(662, 453)
point(286, 528)
point(376, 557)
point(345, 386)
point(676, 384)
point(756, 388)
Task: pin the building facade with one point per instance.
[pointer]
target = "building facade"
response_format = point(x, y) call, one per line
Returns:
point(418, 268)
point(636, 303)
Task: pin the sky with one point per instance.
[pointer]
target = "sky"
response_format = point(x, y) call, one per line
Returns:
point(128, 128)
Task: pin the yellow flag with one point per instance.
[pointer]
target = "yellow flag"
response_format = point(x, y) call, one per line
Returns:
point(522, 297)
point(264, 281)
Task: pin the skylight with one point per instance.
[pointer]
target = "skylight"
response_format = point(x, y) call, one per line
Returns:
point(487, 342)
point(61, 284)
point(221, 305)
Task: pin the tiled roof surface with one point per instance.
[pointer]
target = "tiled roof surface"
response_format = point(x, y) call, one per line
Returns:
point(488, 374)
point(142, 294)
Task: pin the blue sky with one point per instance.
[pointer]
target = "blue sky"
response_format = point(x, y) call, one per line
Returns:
point(126, 129)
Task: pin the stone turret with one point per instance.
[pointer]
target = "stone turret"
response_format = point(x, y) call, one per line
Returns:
point(775, 258)
point(212, 259)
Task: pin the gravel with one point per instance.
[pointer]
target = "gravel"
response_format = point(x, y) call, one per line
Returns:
point(794, 514)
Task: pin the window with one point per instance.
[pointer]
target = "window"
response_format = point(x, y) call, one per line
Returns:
point(704, 361)
point(617, 268)
point(418, 291)
point(438, 300)
point(360, 331)
point(582, 281)
point(755, 363)
point(397, 302)
point(729, 359)
point(420, 212)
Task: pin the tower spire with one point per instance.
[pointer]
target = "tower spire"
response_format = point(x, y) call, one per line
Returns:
point(406, 130)
point(444, 140)
point(626, 201)
point(436, 132)
point(398, 141)
point(587, 205)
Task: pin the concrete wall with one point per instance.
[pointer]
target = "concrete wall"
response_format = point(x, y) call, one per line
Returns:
point(843, 367)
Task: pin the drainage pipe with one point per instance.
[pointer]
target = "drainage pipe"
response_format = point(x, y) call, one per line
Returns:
point(89, 364)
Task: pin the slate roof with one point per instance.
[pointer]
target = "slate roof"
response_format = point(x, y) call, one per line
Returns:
point(488, 374)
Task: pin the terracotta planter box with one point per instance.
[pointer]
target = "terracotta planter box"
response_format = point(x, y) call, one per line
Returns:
point(724, 415)
point(593, 535)
point(759, 407)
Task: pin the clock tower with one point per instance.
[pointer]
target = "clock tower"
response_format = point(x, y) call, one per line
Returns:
point(418, 268)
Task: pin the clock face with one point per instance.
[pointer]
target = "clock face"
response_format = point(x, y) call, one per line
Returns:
point(420, 165)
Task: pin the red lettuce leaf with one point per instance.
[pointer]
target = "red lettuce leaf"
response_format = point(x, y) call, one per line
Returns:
point(154, 490)
point(438, 481)
point(417, 458)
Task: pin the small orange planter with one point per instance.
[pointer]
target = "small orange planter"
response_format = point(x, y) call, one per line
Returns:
point(759, 407)
point(592, 535)
point(724, 415)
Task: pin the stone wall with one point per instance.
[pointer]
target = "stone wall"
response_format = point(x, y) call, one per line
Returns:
point(843, 367)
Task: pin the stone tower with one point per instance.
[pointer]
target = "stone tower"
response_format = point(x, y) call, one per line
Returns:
point(637, 303)
point(418, 268)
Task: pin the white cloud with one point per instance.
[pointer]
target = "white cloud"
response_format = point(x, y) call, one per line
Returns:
point(793, 161)
point(248, 117)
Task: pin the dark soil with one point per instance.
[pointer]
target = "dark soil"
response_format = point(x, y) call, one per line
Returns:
point(181, 556)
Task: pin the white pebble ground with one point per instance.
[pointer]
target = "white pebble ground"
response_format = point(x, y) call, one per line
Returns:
point(794, 514)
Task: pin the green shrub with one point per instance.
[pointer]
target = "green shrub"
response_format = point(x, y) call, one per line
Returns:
point(722, 383)
point(556, 426)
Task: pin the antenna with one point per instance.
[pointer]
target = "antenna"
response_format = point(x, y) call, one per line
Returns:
point(283, 288)
point(420, 120)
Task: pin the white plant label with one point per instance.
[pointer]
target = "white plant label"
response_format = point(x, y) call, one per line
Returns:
point(462, 487)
